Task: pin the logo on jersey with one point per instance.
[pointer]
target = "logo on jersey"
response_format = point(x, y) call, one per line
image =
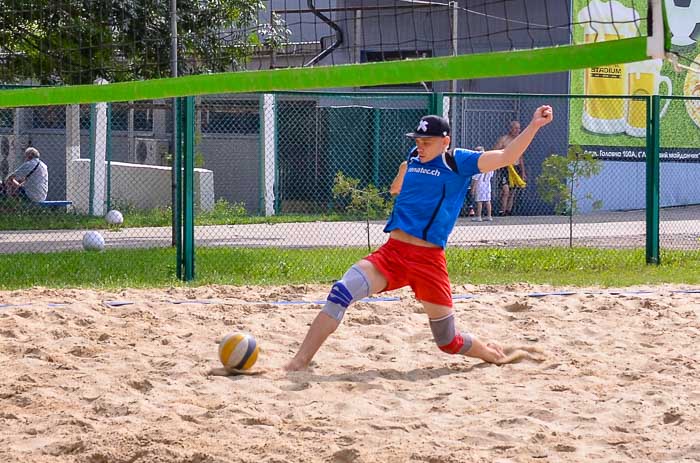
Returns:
point(424, 171)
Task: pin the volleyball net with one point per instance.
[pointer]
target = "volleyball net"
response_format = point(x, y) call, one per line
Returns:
point(239, 46)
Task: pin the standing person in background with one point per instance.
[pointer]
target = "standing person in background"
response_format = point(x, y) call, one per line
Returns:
point(481, 186)
point(508, 194)
point(471, 194)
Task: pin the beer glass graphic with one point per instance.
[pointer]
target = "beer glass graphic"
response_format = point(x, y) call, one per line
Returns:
point(644, 79)
point(606, 115)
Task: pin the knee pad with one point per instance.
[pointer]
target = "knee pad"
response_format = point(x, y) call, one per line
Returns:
point(446, 336)
point(352, 287)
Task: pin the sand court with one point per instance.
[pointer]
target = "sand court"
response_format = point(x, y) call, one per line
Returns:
point(97, 376)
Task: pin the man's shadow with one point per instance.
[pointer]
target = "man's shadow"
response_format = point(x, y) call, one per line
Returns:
point(391, 374)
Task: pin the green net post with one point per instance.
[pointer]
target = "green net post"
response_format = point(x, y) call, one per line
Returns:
point(436, 103)
point(188, 188)
point(652, 180)
point(177, 178)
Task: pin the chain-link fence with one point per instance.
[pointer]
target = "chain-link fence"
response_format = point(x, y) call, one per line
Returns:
point(279, 163)
point(314, 169)
point(679, 170)
point(54, 193)
point(574, 190)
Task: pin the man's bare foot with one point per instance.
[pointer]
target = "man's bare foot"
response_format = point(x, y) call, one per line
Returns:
point(491, 352)
point(295, 365)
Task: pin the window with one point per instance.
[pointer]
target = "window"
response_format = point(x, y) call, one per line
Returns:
point(84, 117)
point(368, 56)
point(7, 118)
point(49, 117)
point(231, 117)
point(143, 117)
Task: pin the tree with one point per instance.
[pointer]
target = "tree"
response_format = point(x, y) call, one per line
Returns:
point(561, 175)
point(368, 201)
point(77, 41)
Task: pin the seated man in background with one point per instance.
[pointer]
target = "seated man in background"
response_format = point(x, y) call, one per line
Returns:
point(30, 181)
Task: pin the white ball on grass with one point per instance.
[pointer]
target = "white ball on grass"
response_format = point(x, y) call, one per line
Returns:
point(114, 217)
point(93, 241)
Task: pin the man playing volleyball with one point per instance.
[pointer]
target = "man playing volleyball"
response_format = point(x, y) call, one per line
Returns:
point(431, 186)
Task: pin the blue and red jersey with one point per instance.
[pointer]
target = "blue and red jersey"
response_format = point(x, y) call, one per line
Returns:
point(432, 195)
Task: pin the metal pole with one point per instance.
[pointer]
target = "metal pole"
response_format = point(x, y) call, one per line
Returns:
point(177, 205)
point(173, 153)
point(455, 43)
point(93, 136)
point(188, 190)
point(109, 156)
point(358, 35)
point(652, 167)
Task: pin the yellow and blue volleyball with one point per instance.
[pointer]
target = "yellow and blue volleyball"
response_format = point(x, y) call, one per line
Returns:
point(238, 351)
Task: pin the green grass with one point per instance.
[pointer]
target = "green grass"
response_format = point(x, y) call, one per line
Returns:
point(116, 269)
point(41, 220)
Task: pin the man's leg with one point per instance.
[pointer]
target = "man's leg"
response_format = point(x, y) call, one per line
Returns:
point(362, 280)
point(505, 194)
point(449, 339)
point(514, 193)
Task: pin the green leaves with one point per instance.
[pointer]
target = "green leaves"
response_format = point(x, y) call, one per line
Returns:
point(76, 41)
point(365, 202)
point(561, 175)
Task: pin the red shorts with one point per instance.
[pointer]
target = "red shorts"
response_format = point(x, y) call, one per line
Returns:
point(423, 269)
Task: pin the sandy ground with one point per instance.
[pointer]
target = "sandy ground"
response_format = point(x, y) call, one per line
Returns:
point(85, 380)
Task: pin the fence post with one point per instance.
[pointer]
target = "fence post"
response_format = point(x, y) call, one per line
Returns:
point(91, 191)
point(188, 189)
point(436, 103)
point(268, 198)
point(652, 180)
point(177, 179)
point(108, 155)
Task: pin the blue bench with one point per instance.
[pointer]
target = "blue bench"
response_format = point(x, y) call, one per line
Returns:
point(56, 205)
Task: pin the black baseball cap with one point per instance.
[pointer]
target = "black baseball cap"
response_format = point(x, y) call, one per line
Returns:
point(431, 126)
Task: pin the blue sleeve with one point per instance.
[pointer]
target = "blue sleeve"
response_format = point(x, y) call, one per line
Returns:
point(467, 161)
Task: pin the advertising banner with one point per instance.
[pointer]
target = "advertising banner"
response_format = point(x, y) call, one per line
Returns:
point(615, 129)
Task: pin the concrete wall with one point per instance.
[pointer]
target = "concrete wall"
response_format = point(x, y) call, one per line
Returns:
point(622, 186)
point(235, 162)
point(140, 186)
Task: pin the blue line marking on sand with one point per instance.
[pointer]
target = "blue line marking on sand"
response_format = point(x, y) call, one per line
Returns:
point(553, 293)
point(9, 306)
point(367, 299)
point(287, 302)
point(118, 303)
point(197, 301)
point(620, 292)
point(455, 297)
